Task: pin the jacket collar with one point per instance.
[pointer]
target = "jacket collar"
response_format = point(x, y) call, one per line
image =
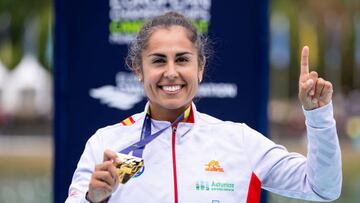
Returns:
point(189, 116)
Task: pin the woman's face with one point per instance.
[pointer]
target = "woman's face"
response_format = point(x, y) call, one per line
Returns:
point(170, 69)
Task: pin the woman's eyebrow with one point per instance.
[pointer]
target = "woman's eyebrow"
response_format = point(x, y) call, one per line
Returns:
point(163, 55)
point(183, 53)
point(157, 54)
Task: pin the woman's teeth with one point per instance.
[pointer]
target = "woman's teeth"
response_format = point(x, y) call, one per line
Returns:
point(172, 88)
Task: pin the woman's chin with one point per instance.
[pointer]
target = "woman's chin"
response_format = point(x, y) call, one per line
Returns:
point(173, 105)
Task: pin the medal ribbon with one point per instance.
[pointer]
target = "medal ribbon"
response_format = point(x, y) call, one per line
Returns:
point(147, 137)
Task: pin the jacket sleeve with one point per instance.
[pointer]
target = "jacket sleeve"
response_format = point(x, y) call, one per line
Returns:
point(317, 177)
point(86, 165)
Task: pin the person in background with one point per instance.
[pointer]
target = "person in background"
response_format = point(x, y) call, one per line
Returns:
point(193, 157)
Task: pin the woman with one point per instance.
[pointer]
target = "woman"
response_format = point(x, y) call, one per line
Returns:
point(192, 157)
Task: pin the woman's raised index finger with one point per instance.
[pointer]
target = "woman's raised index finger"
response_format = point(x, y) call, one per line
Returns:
point(304, 61)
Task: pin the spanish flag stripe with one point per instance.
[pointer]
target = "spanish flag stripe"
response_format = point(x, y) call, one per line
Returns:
point(128, 121)
point(187, 113)
point(131, 120)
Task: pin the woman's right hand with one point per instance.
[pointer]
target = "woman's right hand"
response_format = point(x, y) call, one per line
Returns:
point(104, 180)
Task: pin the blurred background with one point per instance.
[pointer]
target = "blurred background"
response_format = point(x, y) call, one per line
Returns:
point(332, 31)
point(25, 101)
point(330, 28)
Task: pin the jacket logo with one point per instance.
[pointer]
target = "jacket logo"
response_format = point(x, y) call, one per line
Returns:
point(213, 185)
point(128, 121)
point(213, 165)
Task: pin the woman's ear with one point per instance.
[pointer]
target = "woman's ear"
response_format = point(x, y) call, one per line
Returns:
point(201, 70)
point(200, 75)
point(137, 71)
point(139, 77)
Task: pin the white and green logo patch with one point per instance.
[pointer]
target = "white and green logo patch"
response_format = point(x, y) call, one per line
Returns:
point(214, 186)
point(127, 16)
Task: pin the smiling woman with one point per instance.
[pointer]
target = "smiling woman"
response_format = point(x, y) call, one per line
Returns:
point(168, 56)
point(189, 156)
point(170, 72)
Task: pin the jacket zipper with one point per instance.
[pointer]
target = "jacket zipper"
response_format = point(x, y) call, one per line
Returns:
point(174, 163)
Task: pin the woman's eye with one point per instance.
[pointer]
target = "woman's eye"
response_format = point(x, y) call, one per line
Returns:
point(157, 61)
point(182, 60)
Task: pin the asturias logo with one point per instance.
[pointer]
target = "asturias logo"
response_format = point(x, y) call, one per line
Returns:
point(214, 186)
point(213, 165)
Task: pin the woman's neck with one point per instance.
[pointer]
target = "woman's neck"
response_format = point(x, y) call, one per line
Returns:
point(163, 114)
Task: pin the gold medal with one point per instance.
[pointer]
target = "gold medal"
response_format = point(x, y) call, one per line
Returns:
point(127, 166)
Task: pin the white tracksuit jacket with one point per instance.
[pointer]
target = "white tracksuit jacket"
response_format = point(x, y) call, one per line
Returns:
point(214, 161)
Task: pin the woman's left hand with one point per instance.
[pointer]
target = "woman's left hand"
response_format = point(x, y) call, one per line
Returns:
point(314, 92)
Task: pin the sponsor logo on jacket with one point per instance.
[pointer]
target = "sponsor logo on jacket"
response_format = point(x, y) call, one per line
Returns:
point(214, 186)
point(213, 165)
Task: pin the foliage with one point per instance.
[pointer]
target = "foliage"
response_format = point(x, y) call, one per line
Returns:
point(11, 45)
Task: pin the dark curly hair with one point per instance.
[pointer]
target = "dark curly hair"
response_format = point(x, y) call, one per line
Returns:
point(133, 59)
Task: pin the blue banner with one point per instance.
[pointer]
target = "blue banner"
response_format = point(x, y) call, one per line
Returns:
point(93, 88)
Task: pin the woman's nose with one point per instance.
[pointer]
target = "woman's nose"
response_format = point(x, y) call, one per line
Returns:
point(170, 71)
